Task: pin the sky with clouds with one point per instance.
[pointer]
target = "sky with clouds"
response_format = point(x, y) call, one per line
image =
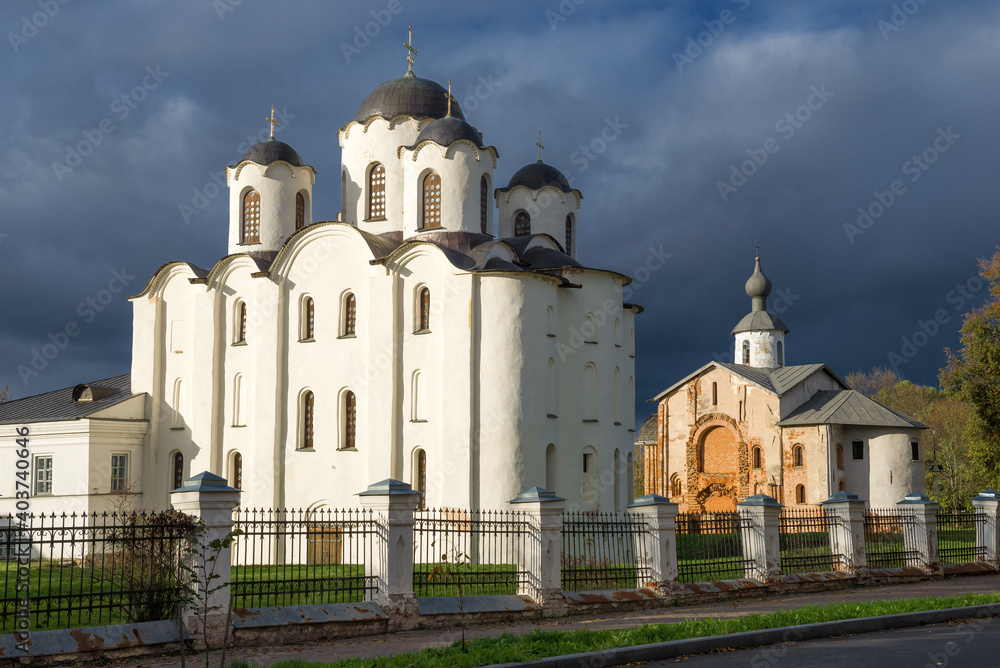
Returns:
point(856, 141)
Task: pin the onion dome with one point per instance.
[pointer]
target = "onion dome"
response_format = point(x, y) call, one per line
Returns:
point(408, 95)
point(272, 150)
point(445, 131)
point(758, 285)
point(759, 319)
point(538, 175)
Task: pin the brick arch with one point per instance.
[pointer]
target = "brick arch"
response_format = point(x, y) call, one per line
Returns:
point(737, 484)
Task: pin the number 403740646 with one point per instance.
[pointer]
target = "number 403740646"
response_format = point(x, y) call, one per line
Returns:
point(23, 475)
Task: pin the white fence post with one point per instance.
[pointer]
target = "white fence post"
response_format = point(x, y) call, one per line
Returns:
point(209, 498)
point(540, 555)
point(658, 552)
point(987, 536)
point(393, 503)
point(760, 539)
point(925, 541)
point(847, 533)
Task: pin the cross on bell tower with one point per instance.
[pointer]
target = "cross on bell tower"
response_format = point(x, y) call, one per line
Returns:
point(539, 145)
point(272, 121)
point(412, 52)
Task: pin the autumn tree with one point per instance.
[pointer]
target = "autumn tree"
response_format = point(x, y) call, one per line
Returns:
point(870, 383)
point(4, 394)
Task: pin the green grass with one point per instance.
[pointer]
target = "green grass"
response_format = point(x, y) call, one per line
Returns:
point(267, 586)
point(541, 644)
point(476, 579)
point(703, 557)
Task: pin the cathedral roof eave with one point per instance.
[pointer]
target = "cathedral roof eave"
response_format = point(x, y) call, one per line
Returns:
point(264, 169)
point(152, 283)
point(534, 191)
point(416, 148)
point(777, 381)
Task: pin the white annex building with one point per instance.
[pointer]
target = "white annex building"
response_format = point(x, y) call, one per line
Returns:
point(441, 331)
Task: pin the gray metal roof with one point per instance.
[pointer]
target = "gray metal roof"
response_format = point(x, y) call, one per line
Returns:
point(847, 407)
point(448, 130)
point(647, 432)
point(272, 150)
point(537, 175)
point(759, 321)
point(777, 381)
point(58, 405)
point(408, 95)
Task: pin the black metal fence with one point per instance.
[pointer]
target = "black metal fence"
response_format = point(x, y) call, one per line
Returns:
point(299, 557)
point(890, 534)
point(807, 542)
point(603, 551)
point(956, 533)
point(64, 571)
point(710, 546)
point(469, 553)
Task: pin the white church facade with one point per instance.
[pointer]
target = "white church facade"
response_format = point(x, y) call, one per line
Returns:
point(440, 331)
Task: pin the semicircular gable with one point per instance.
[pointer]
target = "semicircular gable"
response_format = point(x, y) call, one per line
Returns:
point(163, 275)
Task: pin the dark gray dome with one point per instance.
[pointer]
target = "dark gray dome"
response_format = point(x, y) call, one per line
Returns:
point(537, 175)
point(447, 130)
point(272, 150)
point(408, 95)
point(758, 285)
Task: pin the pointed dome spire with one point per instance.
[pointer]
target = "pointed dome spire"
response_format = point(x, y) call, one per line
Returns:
point(758, 287)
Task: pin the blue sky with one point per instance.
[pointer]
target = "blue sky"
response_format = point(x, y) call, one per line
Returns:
point(693, 129)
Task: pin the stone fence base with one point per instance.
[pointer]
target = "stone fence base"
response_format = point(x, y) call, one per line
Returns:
point(298, 624)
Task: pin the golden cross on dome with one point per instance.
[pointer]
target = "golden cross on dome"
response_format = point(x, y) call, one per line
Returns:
point(756, 246)
point(272, 121)
point(412, 52)
point(539, 145)
point(449, 97)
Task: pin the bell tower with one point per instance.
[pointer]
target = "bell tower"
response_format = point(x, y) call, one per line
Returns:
point(760, 335)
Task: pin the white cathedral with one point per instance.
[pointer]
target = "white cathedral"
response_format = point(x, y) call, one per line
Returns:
point(441, 331)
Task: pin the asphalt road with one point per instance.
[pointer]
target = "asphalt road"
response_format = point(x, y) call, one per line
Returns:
point(966, 644)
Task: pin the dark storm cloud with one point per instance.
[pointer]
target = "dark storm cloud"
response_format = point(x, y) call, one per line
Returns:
point(646, 125)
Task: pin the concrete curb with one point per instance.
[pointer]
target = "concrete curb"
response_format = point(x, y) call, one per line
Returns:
point(676, 648)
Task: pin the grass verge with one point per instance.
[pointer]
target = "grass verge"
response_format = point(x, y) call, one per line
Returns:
point(540, 644)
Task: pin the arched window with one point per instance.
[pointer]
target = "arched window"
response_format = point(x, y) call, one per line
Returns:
point(800, 494)
point(618, 396)
point(238, 400)
point(350, 421)
point(589, 329)
point(551, 313)
point(484, 199)
point(424, 310)
point(250, 230)
point(522, 224)
point(715, 394)
point(308, 317)
point(675, 485)
point(178, 472)
point(781, 354)
point(618, 480)
point(376, 192)
point(756, 458)
point(300, 211)
point(240, 323)
point(842, 487)
point(631, 403)
point(350, 315)
point(840, 456)
point(236, 471)
point(746, 351)
point(308, 421)
point(629, 479)
point(553, 393)
point(569, 234)
point(551, 468)
point(618, 333)
point(590, 392)
point(798, 456)
point(417, 412)
point(432, 201)
point(420, 477)
point(589, 491)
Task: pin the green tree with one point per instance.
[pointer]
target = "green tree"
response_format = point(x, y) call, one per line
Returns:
point(4, 394)
point(973, 373)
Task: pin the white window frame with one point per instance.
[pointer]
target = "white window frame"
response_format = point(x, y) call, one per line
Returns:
point(36, 469)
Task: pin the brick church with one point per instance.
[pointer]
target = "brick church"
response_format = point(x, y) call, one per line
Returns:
point(756, 426)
